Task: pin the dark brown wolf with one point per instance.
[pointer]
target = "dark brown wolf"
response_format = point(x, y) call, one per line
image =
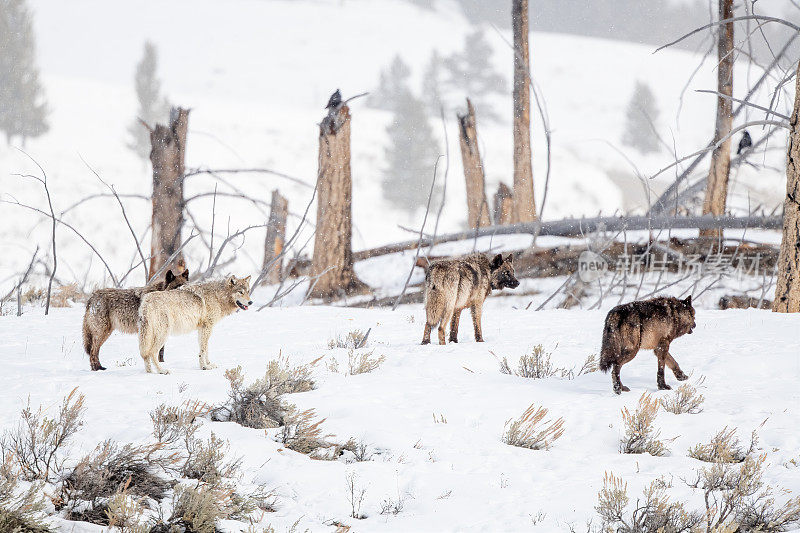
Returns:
point(118, 309)
point(452, 285)
point(645, 325)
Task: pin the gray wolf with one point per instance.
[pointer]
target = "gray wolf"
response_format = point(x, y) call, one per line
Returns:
point(118, 309)
point(192, 307)
point(645, 325)
point(452, 285)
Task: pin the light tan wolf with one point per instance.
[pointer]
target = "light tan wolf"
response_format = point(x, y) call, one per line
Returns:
point(118, 309)
point(645, 325)
point(452, 285)
point(195, 306)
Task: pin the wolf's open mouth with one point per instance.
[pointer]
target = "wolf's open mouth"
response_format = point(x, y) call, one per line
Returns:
point(241, 306)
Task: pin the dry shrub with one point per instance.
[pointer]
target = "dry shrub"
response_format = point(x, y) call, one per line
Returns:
point(358, 363)
point(685, 399)
point(22, 510)
point(125, 512)
point(538, 365)
point(206, 460)
point(737, 499)
point(33, 295)
point(64, 293)
point(114, 471)
point(303, 433)
point(195, 509)
point(529, 431)
point(37, 443)
point(172, 423)
point(259, 405)
point(724, 447)
point(654, 512)
point(355, 494)
point(352, 341)
point(640, 435)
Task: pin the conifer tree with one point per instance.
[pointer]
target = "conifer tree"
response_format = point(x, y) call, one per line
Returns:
point(472, 73)
point(432, 80)
point(640, 118)
point(23, 111)
point(410, 156)
point(153, 106)
point(392, 86)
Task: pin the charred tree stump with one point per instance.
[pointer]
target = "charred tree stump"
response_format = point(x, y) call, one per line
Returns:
point(477, 206)
point(524, 204)
point(787, 289)
point(276, 237)
point(168, 156)
point(332, 263)
point(717, 184)
point(503, 205)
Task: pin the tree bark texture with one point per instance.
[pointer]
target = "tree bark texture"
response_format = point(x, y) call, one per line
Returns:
point(717, 184)
point(477, 205)
point(332, 263)
point(168, 156)
point(276, 237)
point(524, 204)
point(787, 290)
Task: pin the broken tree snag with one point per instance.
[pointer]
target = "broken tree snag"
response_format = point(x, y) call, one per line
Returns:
point(477, 206)
point(332, 263)
point(276, 237)
point(503, 205)
point(168, 156)
point(787, 289)
point(524, 204)
point(717, 184)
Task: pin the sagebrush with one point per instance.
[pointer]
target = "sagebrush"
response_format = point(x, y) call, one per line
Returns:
point(538, 365)
point(685, 399)
point(532, 431)
point(641, 436)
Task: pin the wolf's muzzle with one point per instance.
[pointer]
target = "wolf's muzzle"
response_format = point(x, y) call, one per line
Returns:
point(242, 306)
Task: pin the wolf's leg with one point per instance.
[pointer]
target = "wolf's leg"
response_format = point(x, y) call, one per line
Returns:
point(161, 355)
point(203, 335)
point(426, 335)
point(617, 366)
point(454, 326)
point(661, 351)
point(154, 359)
point(673, 365)
point(477, 310)
point(448, 316)
point(97, 341)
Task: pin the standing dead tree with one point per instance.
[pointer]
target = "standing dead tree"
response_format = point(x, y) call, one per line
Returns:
point(332, 261)
point(717, 184)
point(787, 290)
point(276, 238)
point(477, 206)
point(524, 203)
point(168, 156)
point(503, 205)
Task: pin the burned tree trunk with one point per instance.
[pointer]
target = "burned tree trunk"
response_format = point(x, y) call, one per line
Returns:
point(717, 185)
point(477, 206)
point(503, 205)
point(332, 264)
point(524, 204)
point(276, 238)
point(787, 290)
point(168, 156)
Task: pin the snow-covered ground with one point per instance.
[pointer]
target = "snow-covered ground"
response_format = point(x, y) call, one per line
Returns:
point(257, 75)
point(453, 476)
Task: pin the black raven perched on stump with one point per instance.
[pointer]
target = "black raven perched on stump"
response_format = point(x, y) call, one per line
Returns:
point(745, 142)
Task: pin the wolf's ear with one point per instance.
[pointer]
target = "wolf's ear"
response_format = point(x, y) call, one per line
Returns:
point(232, 280)
point(246, 280)
point(688, 300)
point(170, 277)
point(185, 274)
point(497, 261)
point(509, 258)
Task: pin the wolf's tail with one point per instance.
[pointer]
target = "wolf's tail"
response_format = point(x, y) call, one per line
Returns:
point(612, 342)
point(87, 332)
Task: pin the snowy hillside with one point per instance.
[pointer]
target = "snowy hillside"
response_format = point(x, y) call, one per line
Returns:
point(432, 417)
point(257, 75)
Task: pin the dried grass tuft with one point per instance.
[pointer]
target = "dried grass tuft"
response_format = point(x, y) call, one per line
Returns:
point(531, 431)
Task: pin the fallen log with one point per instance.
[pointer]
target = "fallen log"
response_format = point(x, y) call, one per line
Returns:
point(575, 227)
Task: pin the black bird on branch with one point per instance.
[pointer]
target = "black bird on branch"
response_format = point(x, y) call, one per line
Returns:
point(745, 142)
point(335, 100)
